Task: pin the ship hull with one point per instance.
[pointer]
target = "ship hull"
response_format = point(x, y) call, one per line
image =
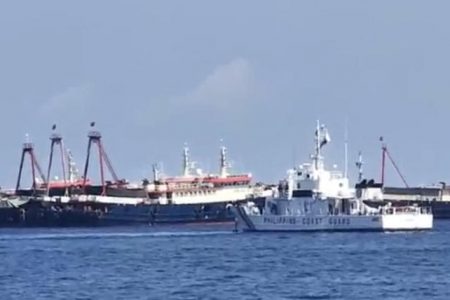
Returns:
point(55, 214)
point(440, 209)
point(285, 223)
point(153, 214)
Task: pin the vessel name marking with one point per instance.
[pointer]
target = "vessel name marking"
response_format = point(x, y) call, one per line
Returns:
point(339, 221)
point(305, 221)
point(293, 220)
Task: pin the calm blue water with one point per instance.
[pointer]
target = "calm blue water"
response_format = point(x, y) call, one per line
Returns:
point(214, 263)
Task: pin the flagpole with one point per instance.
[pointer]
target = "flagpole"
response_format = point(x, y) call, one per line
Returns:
point(317, 144)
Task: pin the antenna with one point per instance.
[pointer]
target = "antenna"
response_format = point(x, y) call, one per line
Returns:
point(346, 149)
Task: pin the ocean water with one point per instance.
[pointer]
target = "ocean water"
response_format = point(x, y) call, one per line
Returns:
point(211, 262)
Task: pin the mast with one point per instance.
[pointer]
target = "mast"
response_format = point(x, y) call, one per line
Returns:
point(56, 140)
point(28, 148)
point(186, 161)
point(359, 165)
point(383, 159)
point(223, 162)
point(321, 138)
point(346, 150)
point(73, 170)
point(385, 153)
point(155, 172)
point(317, 154)
point(317, 150)
point(95, 138)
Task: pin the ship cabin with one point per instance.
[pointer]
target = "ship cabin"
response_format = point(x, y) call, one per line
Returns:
point(207, 186)
point(313, 190)
point(369, 190)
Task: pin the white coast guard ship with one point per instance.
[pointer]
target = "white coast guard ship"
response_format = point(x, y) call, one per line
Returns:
point(315, 199)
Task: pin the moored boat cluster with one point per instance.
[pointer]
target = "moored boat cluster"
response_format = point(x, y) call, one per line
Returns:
point(310, 198)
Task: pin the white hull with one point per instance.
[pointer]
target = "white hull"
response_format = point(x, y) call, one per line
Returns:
point(397, 222)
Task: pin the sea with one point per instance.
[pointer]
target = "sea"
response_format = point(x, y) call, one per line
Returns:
point(213, 262)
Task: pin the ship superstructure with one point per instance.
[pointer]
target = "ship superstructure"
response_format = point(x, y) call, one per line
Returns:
point(195, 187)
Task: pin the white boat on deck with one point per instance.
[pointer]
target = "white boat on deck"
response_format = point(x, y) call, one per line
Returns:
point(316, 199)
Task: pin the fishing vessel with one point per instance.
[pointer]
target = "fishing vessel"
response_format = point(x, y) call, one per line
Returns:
point(436, 196)
point(190, 197)
point(316, 199)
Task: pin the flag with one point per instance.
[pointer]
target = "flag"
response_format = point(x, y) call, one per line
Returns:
point(325, 137)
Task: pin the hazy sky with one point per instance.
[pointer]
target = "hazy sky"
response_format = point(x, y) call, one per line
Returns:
point(156, 74)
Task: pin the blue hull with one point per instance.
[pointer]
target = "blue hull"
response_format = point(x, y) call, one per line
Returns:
point(171, 213)
point(39, 213)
